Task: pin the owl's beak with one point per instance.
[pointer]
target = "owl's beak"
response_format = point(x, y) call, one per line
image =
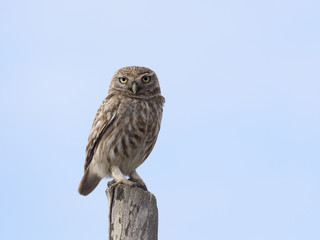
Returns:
point(134, 87)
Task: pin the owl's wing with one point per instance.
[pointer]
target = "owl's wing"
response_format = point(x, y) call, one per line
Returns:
point(104, 118)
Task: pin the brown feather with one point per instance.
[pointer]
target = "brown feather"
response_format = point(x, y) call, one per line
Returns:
point(93, 142)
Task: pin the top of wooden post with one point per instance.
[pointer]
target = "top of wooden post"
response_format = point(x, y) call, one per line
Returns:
point(133, 213)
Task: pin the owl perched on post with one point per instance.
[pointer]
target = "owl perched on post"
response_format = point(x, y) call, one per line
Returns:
point(124, 130)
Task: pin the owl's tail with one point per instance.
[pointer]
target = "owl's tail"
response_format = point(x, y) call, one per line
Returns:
point(88, 183)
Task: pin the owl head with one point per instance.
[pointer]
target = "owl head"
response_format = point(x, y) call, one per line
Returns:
point(135, 81)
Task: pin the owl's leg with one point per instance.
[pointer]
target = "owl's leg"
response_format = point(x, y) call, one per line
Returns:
point(134, 176)
point(118, 178)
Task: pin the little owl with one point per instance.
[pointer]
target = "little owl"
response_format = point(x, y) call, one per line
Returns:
point(125, 129)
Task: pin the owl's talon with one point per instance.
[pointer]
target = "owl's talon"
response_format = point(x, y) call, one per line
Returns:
point(138, 184)
point(112, 183)
point(142, 186)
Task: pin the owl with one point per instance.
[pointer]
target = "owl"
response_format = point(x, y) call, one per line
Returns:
point(124, 130)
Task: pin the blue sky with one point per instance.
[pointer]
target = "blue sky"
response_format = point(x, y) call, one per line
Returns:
point(239, 148)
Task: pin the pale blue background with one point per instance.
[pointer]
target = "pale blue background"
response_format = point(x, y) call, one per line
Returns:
point(238, 156)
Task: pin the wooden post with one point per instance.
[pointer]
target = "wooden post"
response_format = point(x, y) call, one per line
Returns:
point(133, 213)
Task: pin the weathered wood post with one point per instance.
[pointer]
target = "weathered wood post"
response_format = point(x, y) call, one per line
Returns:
point(133, 213)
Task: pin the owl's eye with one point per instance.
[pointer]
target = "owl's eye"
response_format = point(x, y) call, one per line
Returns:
point(123, 80)
point(146, 79)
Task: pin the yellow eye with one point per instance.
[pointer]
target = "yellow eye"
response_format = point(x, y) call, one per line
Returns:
point(146, 79)
point(123, 79)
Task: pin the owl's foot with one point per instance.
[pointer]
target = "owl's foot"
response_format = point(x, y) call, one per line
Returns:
point(134, 181)
point(114, 183)
point(134, 177)
point(139, 185)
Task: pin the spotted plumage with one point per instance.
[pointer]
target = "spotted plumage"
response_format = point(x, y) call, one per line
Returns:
point(125, 129)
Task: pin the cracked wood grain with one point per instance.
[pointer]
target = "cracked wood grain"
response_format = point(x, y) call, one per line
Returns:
point(133, 213)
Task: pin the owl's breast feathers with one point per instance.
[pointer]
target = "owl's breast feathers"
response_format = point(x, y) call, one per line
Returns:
point(125, 127)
